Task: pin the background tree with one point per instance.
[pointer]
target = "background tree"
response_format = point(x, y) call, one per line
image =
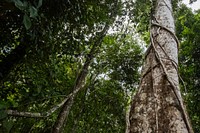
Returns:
point(45, 44)
point(44, 47)
point(187, 30)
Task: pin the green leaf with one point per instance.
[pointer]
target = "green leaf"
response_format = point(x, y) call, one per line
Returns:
point(8, 125)
point(3, 114)
point(33, 11)
point(39, 4)
point(27, 21)
point(19, 4)
point(2, 105)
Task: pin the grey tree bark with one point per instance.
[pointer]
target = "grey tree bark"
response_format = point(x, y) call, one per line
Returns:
point(158, 107)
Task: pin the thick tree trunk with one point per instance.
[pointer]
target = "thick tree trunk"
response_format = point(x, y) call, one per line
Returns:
point(158, 107)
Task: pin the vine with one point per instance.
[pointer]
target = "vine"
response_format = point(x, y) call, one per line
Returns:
point(174, 87)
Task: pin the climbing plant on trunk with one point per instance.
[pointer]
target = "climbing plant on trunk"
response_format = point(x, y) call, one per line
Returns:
point(158, 105)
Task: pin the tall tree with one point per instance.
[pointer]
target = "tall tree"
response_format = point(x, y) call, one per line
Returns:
point(158, 105)
point(56, 67)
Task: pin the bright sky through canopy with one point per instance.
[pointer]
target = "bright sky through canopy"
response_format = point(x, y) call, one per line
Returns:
point(194, 6)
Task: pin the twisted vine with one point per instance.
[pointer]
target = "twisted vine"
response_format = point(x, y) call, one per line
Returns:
point(159, 58)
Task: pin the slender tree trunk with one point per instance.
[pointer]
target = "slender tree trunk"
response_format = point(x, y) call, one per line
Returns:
point(79, 83)
point(158, 107)
point(63, 114)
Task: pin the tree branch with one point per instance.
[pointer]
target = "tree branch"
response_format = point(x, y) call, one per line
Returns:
point(38, 115)
point(62, 117)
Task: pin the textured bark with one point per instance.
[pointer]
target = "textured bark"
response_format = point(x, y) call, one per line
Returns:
point(157, 107)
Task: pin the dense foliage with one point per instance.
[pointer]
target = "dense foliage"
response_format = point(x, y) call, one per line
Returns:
point(45, 43)
point(188, 31)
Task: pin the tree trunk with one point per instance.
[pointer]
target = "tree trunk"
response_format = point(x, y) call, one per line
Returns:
point(79, 83)
point(158, 106)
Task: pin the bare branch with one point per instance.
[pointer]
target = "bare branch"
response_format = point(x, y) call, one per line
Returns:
point(38, 115)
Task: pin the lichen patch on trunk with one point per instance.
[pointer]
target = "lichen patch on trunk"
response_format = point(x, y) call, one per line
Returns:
point(157, 107)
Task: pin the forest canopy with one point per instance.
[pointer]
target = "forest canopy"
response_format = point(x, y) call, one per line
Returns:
point(84, 55)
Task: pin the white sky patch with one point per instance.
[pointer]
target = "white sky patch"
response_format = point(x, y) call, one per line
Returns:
point(194, 6)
